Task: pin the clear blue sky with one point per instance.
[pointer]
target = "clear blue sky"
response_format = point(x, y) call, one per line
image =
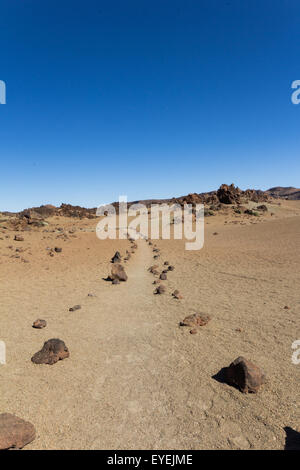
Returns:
point(146, 98)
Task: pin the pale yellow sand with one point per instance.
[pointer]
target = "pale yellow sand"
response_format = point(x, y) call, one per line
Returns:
point(134, 379)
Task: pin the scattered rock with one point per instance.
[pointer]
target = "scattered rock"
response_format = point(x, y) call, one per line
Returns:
point(195, 320)
point(262, 208)
point(53, 350)
point(153, 269)
point(18, 238)
point(118, 272)
point(39, 324)
point(76, 307)
point(163, 277)
point(116, 258)
point(245, 375)
point(15, 433)
point(177, 294)
point(160, 290)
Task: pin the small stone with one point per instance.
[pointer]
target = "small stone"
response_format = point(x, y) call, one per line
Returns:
point(195, 320)
point(171, 268)
point(116, 258)
point(115, 281)
point(176, 294)
point(286, 307)
point(245, 375)
point(160, 290)
point(163, 277)
point(15, 433)
point(166, 263)
point(54, 350)
point(39, 324)
point(57, 249)
point(76, 307)
point(193, 331)
point(19, 238)
point(153, 268)
point(118, 272)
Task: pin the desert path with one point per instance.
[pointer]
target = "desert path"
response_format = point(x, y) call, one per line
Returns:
point(134, 378)
point(119, 388)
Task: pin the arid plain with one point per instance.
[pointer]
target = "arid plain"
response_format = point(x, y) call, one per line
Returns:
point(135, 378)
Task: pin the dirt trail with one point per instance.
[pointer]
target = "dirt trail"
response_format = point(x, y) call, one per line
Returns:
point(119, 388)
point(135, 379)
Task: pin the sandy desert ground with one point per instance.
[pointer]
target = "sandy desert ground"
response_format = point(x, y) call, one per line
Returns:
point(135, 379)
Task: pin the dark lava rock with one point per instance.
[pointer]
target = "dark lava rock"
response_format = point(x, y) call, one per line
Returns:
point(160, 290)
point(118, 272)
point(18, 238)
point(116, 258)
point(76, 307)
point(39, 324)
point(195, 320)
point(54, 350)
point(245, 375)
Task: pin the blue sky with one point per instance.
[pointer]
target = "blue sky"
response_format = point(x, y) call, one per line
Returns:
point(146, 98)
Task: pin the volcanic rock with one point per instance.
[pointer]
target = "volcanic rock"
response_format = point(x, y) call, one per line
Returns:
point(160, 290)
point(15, 433)
point(176, 294)
point(18, 238)
point(39, 324)
point(76, 307)
point(53, 351)
point(116, 258)
point(229, 194)
point(195, 320)
point(245, 375)
point(118, 272)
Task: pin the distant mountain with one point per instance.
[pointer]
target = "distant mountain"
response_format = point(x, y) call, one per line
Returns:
point(286, 193)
